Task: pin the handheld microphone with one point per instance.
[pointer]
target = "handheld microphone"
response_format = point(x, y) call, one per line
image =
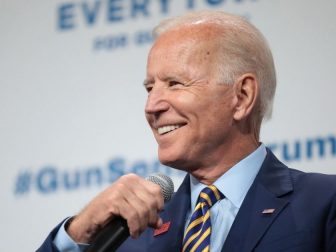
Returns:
point(116, 231)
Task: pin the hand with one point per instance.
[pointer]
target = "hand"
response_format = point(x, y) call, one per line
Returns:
point(133, 198)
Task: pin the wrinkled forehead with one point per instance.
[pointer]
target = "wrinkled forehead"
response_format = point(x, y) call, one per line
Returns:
point(189, 53)
point(196, 41)
point(196, 29)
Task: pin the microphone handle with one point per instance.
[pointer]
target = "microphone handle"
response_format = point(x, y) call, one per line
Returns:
point(110, 237)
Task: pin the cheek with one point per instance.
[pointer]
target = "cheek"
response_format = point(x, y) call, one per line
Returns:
point(225, 104)
point(186, 99)
point(218, 114)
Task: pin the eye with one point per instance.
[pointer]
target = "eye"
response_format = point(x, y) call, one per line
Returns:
point(175, 83)
point(148, 88)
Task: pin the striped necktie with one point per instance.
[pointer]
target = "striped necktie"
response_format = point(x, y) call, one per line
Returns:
point(197, 234)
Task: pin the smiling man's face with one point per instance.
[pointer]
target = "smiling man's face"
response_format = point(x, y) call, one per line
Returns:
point(190, 114)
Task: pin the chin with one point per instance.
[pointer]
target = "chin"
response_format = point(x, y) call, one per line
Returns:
point(172, 161)
point(167, 161)
point(166, 158)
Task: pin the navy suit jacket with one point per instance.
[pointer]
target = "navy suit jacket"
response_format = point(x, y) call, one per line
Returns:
point(304, 219)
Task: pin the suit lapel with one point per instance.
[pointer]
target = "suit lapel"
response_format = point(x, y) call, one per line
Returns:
point(175, 213)
point(260, 221)
point(267, 192)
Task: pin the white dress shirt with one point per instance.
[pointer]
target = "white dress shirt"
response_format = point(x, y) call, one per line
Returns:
point(234, 184)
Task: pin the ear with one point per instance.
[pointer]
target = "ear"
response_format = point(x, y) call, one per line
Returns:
point(247, 93)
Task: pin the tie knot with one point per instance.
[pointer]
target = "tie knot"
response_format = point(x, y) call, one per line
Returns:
point(210, 195)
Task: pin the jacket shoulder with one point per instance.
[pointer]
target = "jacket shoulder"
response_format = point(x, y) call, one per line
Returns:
point(319, 184)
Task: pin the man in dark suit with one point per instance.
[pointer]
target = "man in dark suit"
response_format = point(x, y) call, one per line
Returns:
point(211, 82)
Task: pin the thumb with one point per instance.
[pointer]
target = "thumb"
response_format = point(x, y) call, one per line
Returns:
point(159, 223)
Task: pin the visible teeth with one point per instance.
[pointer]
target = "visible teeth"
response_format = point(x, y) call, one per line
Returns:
point(165, 129)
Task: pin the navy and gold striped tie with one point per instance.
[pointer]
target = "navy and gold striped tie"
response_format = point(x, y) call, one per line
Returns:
point(197, 234)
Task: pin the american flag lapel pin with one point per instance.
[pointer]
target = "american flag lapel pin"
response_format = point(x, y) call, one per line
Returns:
point(268, 211)
point(163, 229)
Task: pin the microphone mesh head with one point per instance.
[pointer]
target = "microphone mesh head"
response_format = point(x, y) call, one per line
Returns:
point(166, 184)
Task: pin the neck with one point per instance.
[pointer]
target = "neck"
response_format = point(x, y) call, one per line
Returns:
point(208, 172)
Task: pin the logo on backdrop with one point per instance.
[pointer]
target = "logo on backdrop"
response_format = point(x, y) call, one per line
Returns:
point(74, 15)
point(308, 149)
point(50, 179)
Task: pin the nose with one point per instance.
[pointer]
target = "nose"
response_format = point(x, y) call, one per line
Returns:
point(157, 102)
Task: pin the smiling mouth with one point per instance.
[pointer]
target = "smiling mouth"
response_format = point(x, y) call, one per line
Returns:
point(168, 128)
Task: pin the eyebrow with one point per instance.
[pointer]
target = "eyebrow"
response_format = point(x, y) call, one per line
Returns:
point(147, 82)
point(165, 79)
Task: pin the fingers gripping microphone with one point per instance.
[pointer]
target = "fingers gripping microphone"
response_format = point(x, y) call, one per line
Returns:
point(166, 184)
point(116, 231)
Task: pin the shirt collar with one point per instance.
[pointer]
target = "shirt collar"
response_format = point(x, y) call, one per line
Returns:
point(234, 183)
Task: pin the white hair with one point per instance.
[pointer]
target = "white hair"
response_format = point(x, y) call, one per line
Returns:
point(243, 50)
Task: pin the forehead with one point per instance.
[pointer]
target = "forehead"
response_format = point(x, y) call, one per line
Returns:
point(189, 46)
point(198, 35)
